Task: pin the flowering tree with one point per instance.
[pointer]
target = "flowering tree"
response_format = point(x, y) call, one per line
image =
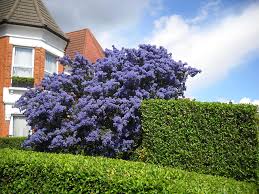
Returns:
point(96, 107)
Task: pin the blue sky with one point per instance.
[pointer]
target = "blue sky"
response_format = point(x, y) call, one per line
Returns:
point(242, 82)
point(221, 37)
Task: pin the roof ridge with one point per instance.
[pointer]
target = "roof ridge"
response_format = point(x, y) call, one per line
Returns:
point(7, 17)
point(84, 29)
point(39, 12)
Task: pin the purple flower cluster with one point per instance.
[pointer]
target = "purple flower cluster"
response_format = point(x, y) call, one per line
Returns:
point(96, 107)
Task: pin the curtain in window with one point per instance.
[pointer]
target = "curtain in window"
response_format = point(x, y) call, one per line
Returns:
point(20, 127)
point(23, 63)
point(50, 64)
point(67, 70)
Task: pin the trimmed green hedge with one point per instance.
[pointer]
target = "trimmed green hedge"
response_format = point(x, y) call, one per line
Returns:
point(35, 172)
point(25, 82)
point(11, 142)
point(211, 138)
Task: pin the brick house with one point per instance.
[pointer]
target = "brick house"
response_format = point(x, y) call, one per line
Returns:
point(30, 43)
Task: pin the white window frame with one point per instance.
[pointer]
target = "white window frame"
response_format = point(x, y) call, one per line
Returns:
point(49, 53)
point(11, 125)
point(33, 55)
point(65, 72)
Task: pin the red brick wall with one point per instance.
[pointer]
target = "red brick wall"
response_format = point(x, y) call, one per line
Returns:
point(60, 68)
point(39, 63)
point(5, 75)
point(5, 79)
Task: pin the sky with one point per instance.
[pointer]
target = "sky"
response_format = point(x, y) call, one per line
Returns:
point(220, 37)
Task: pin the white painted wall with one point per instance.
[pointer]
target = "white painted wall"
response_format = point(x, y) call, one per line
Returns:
point(34, 37)
point(10, 96)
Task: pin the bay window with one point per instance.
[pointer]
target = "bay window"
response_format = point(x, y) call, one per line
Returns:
point(23, 62)
point(51, 64)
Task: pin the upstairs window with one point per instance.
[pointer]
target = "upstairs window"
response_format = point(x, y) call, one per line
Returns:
point(51, 64)
point(23, 62)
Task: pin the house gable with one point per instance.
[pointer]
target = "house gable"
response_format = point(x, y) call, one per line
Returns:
point(84, 42)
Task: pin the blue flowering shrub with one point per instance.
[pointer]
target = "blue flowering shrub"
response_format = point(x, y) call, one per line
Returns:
point(95, 109)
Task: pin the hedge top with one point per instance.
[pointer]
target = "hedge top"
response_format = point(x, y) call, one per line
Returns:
point(63, 173)
point(11, 142)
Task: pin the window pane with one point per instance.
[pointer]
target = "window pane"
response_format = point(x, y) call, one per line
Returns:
point(22, 72)
point(20, 127)
point(47, 73)
point(50, 64)
point(23, 63)
point(67, 69)
point(23, 57)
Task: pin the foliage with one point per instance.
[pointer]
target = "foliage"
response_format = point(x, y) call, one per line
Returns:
point(257, 118)
point(213, 138)
point(36, 172)
point(25, 82)
point(11, 142)
point(97, 107)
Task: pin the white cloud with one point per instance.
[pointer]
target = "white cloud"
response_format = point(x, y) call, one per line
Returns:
point(225, 100)
point(210, 7)
point(113, 37)
point(101, 15)
point(246, 100)
point(107, 19)
point(216, 48)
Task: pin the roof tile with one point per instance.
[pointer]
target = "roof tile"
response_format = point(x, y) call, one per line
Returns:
point(28, 12)
point(84, 42)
